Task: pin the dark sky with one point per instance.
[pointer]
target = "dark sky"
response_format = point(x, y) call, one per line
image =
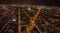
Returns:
point(36, 2)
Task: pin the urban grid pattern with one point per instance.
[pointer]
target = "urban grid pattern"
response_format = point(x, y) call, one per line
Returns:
point(29, 19)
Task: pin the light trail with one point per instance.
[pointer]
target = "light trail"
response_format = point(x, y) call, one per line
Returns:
point(32, 22)
point(19, 25)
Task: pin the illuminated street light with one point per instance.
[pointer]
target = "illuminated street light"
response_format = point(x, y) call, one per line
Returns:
point(14, 20)
point(28, 8)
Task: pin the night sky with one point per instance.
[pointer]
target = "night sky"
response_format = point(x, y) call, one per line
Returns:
point(35, 2)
